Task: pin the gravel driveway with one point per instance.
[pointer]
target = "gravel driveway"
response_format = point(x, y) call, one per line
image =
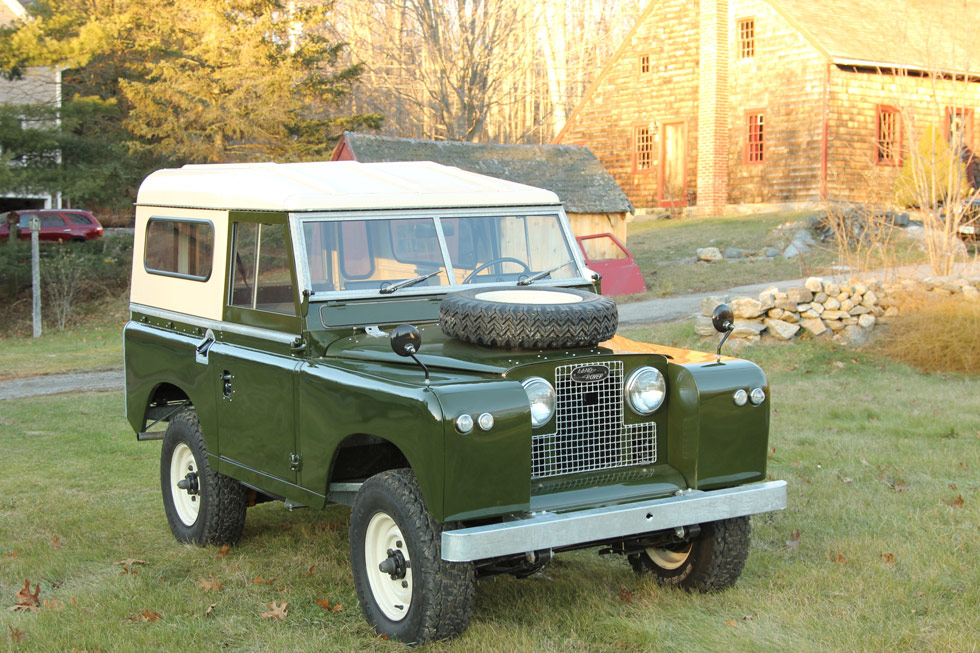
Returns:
point(52, 384)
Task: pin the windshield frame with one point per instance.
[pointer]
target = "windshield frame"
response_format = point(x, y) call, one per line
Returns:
point(579, 277)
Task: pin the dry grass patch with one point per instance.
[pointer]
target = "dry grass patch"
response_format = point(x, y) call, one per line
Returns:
point(936, 334)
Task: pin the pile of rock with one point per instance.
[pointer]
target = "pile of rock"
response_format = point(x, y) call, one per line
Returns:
point(802, 242)
point(845, 312)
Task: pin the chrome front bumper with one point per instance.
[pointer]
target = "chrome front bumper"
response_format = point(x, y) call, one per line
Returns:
point(549, 530)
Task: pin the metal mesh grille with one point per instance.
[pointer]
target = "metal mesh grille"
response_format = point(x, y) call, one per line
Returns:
point(589, 429)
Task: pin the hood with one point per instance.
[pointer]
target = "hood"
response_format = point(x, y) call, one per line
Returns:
point(440, 351)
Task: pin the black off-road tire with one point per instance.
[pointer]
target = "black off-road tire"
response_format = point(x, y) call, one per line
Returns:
point(222, 500)
point(441, 600)
point(528, 318)
point(717, 557)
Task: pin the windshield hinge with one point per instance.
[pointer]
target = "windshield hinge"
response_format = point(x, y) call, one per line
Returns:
point(295, 462)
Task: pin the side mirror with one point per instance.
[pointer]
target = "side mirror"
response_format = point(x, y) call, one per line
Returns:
point(723, 320)
point(406, 340)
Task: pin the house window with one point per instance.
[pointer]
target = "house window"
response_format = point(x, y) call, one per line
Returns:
point(889, 136)
point(755, 146)
point(643, 148)
point(959, 125)
point(644, 63)
point(746, 38)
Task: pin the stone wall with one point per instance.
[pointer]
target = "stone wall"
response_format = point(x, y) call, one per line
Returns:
point(847, 312)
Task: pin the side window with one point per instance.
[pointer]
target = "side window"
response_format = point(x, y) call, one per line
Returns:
point(78, 218)
point(179, 248)
point(25, 220)
point(261, 276)
point(49, 220)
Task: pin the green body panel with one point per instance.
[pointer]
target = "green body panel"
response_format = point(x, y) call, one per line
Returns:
point(338, 400)
point(710, 440)
point(256, 422)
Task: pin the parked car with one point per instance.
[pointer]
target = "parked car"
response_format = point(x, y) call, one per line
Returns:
point(56, 225)
point(969, 228)
point(427, 346)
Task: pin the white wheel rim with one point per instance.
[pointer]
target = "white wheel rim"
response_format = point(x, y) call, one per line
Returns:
point(670, 560)
point(534, 297)
point(182, 463)
point(392, 596)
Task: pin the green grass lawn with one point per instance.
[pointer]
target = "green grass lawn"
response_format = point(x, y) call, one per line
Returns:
point(878, 549)
point(665, 251)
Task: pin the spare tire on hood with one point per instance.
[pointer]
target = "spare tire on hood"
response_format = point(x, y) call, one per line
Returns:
point(528, 318)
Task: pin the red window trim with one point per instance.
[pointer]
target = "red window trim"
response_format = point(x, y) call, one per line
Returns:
point(967, 113)
point(637, 170)
point(897, 159)
point(747, 154)
point(742, 42)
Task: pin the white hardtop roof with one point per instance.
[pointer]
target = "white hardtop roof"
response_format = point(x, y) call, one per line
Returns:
point(332, 185)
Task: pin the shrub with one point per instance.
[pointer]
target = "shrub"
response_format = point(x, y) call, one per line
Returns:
point(937, 335)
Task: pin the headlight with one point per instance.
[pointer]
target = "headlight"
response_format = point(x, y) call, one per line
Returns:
point(541, 396)
point(646, 390)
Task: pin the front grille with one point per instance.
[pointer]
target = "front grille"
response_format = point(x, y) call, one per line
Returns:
point(589, 429)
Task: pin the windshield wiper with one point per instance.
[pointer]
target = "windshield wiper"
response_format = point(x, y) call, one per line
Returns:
point(387, 290)
point(542, 275)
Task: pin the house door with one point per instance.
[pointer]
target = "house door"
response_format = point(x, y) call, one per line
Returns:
point(673, 155)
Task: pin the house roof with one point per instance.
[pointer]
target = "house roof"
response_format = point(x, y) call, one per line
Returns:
point(11, 11)
point(925, 35)
point(331, 185)
point(570, 171)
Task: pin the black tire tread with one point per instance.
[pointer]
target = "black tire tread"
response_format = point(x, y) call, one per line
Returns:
point(448, 593)
point(224, 514)
point(716, 561)
point(528, 326)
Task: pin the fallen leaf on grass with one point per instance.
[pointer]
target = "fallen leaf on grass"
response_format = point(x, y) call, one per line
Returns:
point(889, 558)
point(127, 570)
point(898, 485)
point(15, 634)
point(212, 585)
point(129, 562)
point(210, 610)
point(278, 611)
point(56, 542)
point(223, 551)
point(309, 572)
point(625, 595)
point(12, 554)
point(794, 539)
point(839, 558)
point(258, 580)
point(844, 479)
point(145, 616)
point(748, 617)
point(27, 600)
point(325, 604)
point(953, 486)
point(731, 622)
point(53, 604)
point(956, 502)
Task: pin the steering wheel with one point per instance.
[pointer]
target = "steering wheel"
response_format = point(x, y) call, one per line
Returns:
point(502, 259)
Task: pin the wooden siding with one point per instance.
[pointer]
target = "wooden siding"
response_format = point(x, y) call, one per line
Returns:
point(784, 81)
point(623, 99)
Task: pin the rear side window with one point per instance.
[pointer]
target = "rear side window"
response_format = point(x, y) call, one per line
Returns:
point(48, 220)
point(78, 218)
point(179, 248)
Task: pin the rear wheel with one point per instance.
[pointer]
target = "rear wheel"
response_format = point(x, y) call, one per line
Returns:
point(405, 588)
point(202, 506)
point(712, 561)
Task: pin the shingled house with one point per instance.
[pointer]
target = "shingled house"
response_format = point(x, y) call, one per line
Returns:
point(37, 86)
point(592, 200)
point(722, 102)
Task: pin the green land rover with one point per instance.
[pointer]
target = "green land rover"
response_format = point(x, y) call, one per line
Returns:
point(426, 345)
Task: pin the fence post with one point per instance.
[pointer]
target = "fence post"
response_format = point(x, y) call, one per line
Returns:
point(36, 274)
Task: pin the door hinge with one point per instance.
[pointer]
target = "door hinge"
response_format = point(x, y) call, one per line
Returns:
point(295, 462)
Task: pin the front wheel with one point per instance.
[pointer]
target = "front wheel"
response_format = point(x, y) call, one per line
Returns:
point(405, 588)
point(712, 561)
point(202, 506)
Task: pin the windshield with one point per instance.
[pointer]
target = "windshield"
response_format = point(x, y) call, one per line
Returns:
point(378, 254)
